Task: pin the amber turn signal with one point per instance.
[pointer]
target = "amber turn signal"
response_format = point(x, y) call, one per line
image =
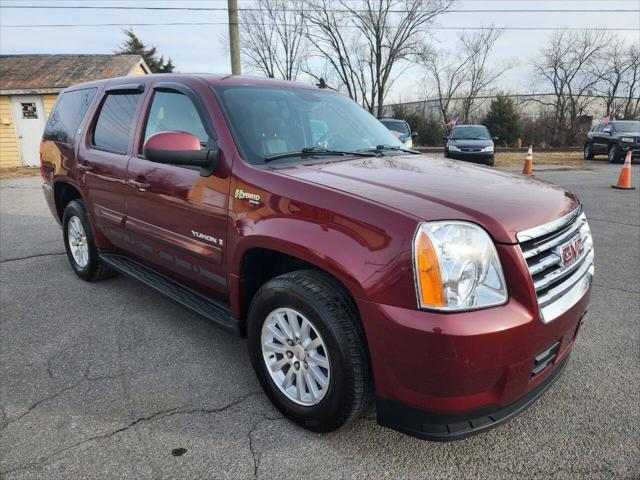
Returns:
point(428, 272)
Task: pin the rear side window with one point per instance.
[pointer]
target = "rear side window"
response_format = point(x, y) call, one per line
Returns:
point(173, 111)
point(67, 115)
point(115, 122)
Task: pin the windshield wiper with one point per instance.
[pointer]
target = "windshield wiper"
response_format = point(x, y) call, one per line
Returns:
point(311, 151)
point(383, 148)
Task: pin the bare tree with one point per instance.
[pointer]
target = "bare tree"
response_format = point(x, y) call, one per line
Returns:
point(272, 38)
point(480, 77)
point(567, 65)
point(618, 72)
point(367, 41)
point(632, 85)
point(463, 73)
point(448, 72)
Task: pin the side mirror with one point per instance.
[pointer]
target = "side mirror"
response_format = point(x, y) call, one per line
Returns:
point(445, 139)
point(181, 148)
point(495, 139)
point(414, 134)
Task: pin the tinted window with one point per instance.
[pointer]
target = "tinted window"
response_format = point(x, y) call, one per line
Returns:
point(115, 122)
point(268, 121)
point(172, 111)
point(470, 132)
point(67, 115)
point(396, 126)
point(626, 126)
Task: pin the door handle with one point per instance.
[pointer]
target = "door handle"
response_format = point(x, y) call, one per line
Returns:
point(85, 167)
point(139, 184)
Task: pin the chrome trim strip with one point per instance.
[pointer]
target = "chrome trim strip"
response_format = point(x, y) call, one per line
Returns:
point(545, 228)
point(556, 292)
point(546, 262)
point(557, 240)
point(569, 299)
point(561, 273)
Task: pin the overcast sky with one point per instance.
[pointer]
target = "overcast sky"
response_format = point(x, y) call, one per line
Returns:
point(201, 48)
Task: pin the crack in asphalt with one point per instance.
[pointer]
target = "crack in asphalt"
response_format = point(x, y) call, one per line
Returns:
point(254, 453)
point(49, 398)
point(37, 255)
point(147, 418)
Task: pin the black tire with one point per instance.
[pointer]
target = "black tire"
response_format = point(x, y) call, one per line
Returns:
point(588, 151)
point(334, 314)
point(95, 269)
point(614, 154)
point(491, 162)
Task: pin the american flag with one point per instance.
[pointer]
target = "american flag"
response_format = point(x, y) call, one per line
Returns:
point(605, 119)
point(452, 122)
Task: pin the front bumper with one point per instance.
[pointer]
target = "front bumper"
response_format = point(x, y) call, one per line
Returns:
point(441, 427)
point(447, 376)
point(635, 149)
point(477, 157)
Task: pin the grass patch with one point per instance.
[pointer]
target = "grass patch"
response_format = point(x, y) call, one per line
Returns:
point(19, 172)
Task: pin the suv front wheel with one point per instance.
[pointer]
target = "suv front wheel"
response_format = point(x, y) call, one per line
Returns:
point(614, 154)
point(80, 245)
point(588, 151)
point(308, 349)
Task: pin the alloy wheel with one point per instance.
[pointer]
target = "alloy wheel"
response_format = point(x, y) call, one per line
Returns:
point(77, 238)
point(296, 356)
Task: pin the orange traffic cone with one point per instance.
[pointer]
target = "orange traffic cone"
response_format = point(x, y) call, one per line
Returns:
point(528, 164)
point(624, 180)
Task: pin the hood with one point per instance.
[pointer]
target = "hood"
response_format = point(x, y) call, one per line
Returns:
point(434, 189)
point(467, 143)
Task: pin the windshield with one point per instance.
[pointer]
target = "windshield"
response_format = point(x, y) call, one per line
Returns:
point(396, 126)
point(270, 121)
point(470, 132)
point(626, 126)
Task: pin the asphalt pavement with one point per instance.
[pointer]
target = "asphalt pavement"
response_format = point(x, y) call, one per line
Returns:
point(112, 380)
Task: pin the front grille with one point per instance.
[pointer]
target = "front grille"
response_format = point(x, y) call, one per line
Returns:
point(559, 256)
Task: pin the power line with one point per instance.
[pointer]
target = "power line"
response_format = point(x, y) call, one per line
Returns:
point(135, 24)
point(336, 10)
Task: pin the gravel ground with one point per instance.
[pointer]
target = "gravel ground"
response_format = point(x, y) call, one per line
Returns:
point(111, 380)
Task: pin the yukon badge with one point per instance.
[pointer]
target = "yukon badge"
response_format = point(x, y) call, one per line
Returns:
point(252, 197)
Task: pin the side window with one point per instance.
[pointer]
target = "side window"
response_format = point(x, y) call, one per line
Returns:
point(115, 122)
point(173, 111)
point(67, 115)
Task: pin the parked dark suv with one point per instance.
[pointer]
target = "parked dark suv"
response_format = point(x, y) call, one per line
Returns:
point(357, 269)
point(472, 143)
point(613, 139)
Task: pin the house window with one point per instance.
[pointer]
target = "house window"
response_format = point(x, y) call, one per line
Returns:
point(29, 110)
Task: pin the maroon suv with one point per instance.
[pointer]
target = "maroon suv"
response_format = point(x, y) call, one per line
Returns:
point(357, 269)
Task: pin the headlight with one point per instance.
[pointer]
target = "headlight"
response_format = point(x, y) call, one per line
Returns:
point(627, 139)
point(453, 148)
point(457, 267)
point(488, 149)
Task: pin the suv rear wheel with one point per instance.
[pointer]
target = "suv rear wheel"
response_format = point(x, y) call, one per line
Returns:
point(614, 154)
point(308, 349)
point(588, 151)
point(80, 245)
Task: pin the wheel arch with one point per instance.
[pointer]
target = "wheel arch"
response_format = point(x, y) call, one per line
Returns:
point(257, 261)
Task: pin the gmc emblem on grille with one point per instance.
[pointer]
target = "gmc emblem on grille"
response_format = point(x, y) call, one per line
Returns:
point(570, 251)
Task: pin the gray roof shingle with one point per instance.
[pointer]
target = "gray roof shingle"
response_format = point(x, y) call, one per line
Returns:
point(40, 73)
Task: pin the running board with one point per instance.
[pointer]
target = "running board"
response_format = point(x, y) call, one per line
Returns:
point(214, 311)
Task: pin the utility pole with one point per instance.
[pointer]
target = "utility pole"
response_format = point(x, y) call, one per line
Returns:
point(234, 36)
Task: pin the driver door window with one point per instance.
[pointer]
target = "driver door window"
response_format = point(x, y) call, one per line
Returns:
point(173, 111)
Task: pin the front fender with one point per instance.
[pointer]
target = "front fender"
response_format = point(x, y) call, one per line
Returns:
point(374, 264)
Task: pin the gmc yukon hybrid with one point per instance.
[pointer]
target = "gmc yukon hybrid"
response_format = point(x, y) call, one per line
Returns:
point(357, 269)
